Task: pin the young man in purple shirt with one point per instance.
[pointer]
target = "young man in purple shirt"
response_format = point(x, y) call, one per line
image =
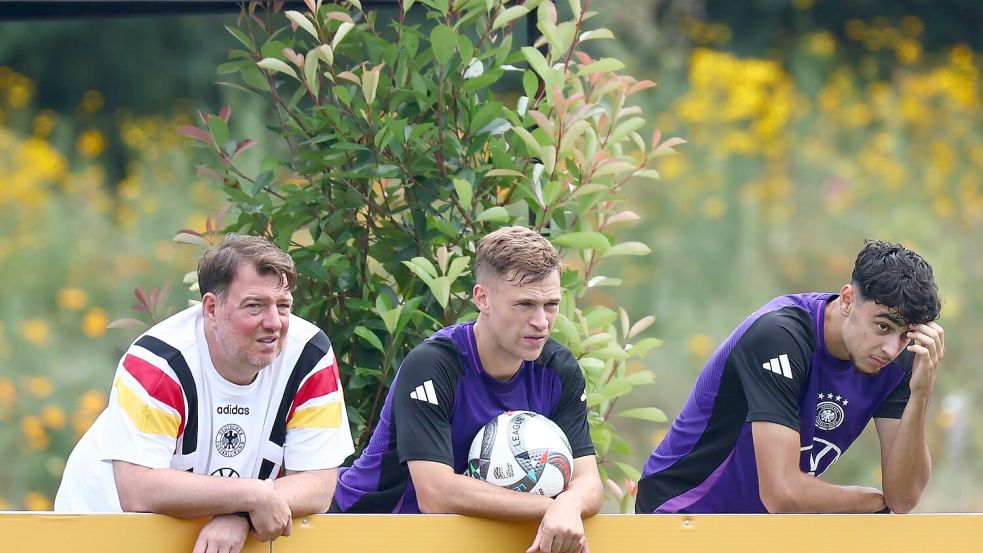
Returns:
point(467, 374)
point(795, 384)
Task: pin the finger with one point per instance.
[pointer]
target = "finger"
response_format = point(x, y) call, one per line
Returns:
point(535, 544)
point(289, 528)
point(200, 545)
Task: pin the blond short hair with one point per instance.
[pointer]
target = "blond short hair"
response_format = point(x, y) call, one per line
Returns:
point(515, 254)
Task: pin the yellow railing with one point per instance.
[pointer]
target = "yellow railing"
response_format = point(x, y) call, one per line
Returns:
point(950, 533)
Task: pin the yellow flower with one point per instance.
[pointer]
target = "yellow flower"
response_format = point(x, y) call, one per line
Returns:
point(35, 331)
point(40, 386)
point(822, 44)
point(94, 323)
point(32, 427)
point(912, 26)
point(18, 95)
point(93, 401)
point(35, 501)
point(714, 207)
point(90, 143)
point(699, 345)
point(91, 101)
point(908, 51)
point(53, 417)
point(72, 299)
point(7, 391)
point(44, 123)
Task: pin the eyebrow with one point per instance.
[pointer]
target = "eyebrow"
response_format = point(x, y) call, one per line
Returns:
point(887, 315)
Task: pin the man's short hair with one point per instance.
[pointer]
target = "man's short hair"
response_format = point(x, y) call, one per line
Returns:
point(517, 255)
point(899, 279)
point(220, 264)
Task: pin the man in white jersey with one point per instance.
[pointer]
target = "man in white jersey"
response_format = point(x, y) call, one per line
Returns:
point(232, 409)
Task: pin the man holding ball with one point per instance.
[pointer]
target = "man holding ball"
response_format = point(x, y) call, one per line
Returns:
point(467, 374)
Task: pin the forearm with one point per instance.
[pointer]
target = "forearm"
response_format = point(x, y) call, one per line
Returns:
point(463, 495)
point(908, 465)
point(585, 488)
point(308, 492)
point(807, 494)
point(183, 494)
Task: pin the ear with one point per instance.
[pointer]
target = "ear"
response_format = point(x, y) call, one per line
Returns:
point(209, 303)
point(480, 295)
point(847, 299)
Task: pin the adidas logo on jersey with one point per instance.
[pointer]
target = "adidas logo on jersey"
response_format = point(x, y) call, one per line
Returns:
point(425, 392)
point(779, 365)
point(232, 410)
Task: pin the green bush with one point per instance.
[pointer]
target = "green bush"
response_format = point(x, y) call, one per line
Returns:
point(399, 154)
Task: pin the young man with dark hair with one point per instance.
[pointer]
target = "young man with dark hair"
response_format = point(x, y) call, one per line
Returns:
point(795, 384)
point(467, 374)
point(209, 405)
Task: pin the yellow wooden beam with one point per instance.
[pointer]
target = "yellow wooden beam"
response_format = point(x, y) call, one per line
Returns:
point(952, 533)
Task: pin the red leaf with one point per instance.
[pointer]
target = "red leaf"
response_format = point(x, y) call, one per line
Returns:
point(208, 172)
point(225, 112)
point(243, 145)
point(196, 134)
point(142, 296)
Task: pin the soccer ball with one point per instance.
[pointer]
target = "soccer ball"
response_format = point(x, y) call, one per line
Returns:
point(522, 451)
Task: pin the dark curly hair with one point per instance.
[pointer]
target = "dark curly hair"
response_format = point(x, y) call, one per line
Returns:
point(898, 278)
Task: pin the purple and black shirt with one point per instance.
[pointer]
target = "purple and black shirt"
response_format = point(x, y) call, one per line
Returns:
point(439, 400)
point(774, 367)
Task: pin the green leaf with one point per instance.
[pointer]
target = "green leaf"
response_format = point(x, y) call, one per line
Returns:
point(616, 387)
point(310, 72)
point(629, 471)
point(641, 347)
point(600, 316)
point(509, 15)
point(541, 66)
point(591, 363)
point(340, 34)
point(241, 37)
point(594, 34)
point(599, 66)
point(301, 21)
point(641, 378)
point(610, 352)
point(218, 129)
point(441, 288)
point(628, 248)
point(587, 240)
point(459, 266)
point(496, 214)
point(277, 66)
point(530, 83)
point(391, 318)
point(504, 173)
point(653, 414)
point(443, 40)
point(602, 338)
point(370, 337)
point(464, 191)
point(262, 181)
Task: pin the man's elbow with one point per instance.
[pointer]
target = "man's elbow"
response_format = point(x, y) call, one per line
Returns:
point(132, 502)
point(901, 505)
point(431, 502)
point(779, 499)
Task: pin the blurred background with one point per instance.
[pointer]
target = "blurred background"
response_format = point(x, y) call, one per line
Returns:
point(812, 125)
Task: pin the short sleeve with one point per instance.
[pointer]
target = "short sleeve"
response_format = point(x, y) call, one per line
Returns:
point(894, 404)
point(772, 361)
point(422, 402)
point(318, 434)
point(146, 412)
point(571, 411)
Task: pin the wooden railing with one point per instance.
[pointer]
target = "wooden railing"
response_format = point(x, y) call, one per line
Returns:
point(949, 533)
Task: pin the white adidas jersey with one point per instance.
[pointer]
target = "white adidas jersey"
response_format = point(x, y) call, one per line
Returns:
point(169, 408)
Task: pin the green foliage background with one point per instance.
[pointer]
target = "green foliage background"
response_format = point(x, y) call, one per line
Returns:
point(804, 138)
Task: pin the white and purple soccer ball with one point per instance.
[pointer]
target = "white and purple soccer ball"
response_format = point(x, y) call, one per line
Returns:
point(522, 451)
